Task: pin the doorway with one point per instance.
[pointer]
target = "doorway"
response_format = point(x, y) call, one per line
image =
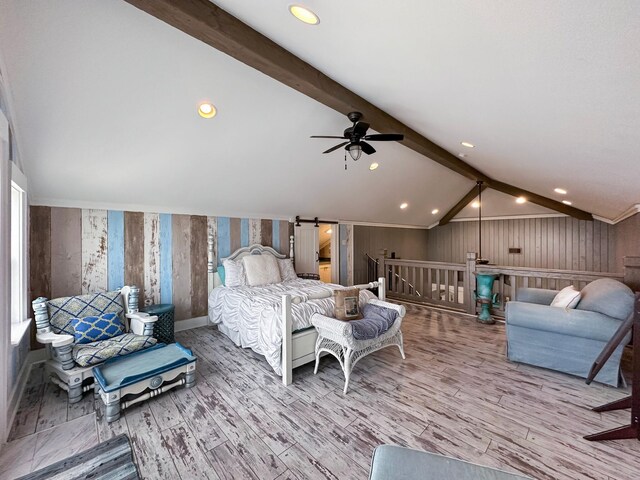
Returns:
point(317, 249)
point(326, 235)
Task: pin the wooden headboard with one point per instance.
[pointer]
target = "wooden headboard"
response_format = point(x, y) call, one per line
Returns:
point(255, 249)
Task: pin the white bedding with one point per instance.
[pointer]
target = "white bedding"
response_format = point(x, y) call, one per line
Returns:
point(254, 313)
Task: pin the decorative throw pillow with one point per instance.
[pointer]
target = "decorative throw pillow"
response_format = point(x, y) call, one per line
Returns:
point(221, 274)
point(234, 275)
point(261, 270)
point(568, 297)
point(94, 329)
point(347, 305)
point(287, 272)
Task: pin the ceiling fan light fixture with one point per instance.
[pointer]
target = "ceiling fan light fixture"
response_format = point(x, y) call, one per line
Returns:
point(304, 14)
point(355, 151)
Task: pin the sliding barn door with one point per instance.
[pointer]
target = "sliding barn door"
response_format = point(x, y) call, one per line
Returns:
point(307, 248)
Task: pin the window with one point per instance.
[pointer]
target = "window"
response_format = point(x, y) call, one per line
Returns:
point(19, 310)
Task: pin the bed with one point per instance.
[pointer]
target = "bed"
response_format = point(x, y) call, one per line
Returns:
point(274, 320)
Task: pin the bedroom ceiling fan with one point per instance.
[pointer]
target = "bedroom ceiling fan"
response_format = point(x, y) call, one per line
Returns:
point(356, 135)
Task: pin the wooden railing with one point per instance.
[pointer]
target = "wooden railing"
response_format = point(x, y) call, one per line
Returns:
point(433, 283)
point(452, 285)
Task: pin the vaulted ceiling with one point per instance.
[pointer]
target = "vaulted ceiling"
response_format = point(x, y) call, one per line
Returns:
point(105, 103)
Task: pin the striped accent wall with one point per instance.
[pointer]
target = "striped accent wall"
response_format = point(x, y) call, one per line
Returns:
point(75, 251)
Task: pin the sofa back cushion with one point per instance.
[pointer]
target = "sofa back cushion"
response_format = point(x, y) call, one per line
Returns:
point(609, 297)
point(63, 310)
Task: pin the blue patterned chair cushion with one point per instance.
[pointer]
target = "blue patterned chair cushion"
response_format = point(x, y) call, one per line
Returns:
point(94, 329)
point(62, 310)
point(87, 354)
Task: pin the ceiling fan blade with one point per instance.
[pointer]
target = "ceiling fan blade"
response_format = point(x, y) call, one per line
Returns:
point(366, 148)
point(360, 129)
point(385, 137)
point(324, 136)
point(335, 148)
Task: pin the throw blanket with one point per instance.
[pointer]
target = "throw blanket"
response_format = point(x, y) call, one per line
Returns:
point(377, 320)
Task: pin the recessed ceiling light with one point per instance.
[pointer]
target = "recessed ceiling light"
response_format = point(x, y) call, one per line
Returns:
point(373, 166)
point(462, 155)
point(304, 14)
point(561, 191)
point(207, 110)
point(467, 144)
point(404, 205)
point(475, 204)
point(328, 230)
point(566, 202)
point(434, 211)
point(521, 200)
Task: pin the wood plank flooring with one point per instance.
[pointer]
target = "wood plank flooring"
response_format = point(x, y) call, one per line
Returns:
point(455, 394)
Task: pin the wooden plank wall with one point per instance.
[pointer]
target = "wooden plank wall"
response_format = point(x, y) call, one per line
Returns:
point(406, 242)
point(563, 243)
point(75, 251)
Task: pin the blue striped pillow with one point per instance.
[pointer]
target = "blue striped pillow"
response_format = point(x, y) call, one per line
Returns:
point(94, 329)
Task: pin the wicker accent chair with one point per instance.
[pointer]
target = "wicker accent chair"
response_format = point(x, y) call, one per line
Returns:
point(70, 364)
point(336, 337)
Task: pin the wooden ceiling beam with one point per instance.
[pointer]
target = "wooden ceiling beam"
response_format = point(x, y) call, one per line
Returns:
point(204, 21)
point(457, 208)
point(540, 200)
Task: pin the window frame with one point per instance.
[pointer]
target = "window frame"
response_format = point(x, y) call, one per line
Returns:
point(19, 287)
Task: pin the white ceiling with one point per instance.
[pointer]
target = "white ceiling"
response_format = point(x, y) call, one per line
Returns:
point(105, 104)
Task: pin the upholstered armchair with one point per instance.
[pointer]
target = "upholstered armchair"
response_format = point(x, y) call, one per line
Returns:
point(72, 356)
point(569, 340)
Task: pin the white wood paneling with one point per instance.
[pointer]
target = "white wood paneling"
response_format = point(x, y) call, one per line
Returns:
point(151, 258)
point(255, 231)
point(94, 250)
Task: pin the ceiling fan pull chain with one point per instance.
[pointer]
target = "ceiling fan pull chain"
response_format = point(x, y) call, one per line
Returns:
point(345, 160)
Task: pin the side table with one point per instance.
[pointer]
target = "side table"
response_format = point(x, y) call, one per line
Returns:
point(163, 328)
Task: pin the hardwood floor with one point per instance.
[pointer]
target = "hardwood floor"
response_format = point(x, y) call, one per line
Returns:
point(455, 394)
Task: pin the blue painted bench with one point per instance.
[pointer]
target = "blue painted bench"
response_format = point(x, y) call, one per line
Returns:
point(143, 375)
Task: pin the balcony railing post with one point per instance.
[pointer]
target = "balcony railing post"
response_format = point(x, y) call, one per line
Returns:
point(470, 283)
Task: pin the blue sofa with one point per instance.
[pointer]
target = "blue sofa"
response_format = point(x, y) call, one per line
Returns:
point(569, 340)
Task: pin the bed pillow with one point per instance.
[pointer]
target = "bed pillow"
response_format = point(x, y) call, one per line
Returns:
point(347, 305)
point(234, 274)
point(96, 328)
point(287, 272)
point(261, 270)
point(568, 297)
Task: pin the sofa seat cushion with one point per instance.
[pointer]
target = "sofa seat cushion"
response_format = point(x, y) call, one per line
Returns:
point(607, 296)
point(569, 322)
point(376, 320)
point(93, 353)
